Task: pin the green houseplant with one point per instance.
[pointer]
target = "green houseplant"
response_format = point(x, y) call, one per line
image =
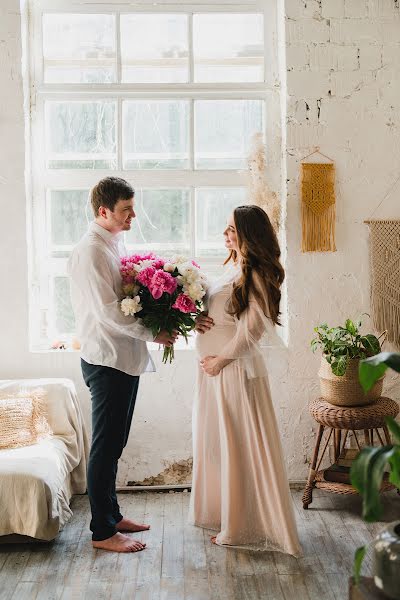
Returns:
point(367, 473)
point(342, 349)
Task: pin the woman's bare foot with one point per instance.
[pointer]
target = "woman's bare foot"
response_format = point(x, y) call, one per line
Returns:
point(119, 543)
point(213, 539)
point(131, 526)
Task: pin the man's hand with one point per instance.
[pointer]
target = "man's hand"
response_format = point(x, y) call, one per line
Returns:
point(165, 338)
point(203, 323)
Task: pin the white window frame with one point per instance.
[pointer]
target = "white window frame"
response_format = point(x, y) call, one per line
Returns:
point(43, 179)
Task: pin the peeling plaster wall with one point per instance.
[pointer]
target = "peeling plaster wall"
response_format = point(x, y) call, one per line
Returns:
point(343, 93)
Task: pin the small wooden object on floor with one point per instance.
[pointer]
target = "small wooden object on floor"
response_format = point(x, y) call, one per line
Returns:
point(365, 590)
point(338, 422)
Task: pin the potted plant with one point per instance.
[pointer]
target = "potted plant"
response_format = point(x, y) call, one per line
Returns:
point(366, 476)
point(342, 349)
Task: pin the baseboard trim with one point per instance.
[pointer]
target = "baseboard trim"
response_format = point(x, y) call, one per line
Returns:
point(294, 484)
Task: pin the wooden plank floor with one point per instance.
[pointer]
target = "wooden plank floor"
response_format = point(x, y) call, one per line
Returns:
point(180, 563)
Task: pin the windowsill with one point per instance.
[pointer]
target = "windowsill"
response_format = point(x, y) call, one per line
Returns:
point(181, 345)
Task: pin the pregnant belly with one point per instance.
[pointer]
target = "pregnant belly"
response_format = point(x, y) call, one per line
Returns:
point(212, 342)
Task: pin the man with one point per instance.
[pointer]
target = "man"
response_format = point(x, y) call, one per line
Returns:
point(113, 355)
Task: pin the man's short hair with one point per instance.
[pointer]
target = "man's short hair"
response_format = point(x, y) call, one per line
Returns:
point(108, 191)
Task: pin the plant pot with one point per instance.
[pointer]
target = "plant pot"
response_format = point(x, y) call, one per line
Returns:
point(386, 567)
point(346, 390)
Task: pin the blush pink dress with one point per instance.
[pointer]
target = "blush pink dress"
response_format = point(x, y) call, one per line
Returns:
point(239, 487)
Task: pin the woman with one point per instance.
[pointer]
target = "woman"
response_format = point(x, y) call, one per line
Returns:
point(239, 486)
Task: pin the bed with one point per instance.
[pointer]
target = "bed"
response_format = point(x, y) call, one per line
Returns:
point(38, 481)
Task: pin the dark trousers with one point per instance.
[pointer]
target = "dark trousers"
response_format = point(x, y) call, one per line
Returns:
point(113, 396)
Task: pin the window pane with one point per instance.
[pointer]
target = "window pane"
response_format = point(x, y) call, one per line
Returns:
point(78, 48)
point(81, 135)
point(223, 131)
point(228, 47)
point(162, 223)
point(155, 134)
point(213, 208)
point(63, 313)
point(70, 215)
point(154, 48)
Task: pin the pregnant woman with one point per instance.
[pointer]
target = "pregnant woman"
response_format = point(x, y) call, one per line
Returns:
point(240, 488)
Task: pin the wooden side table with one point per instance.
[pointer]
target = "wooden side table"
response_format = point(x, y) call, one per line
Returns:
point(338, 421)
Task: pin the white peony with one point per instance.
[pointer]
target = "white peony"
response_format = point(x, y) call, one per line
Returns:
point(178, 259)
point(189, 272)
point(169, 267)
point(131, 306)
point(195, 291)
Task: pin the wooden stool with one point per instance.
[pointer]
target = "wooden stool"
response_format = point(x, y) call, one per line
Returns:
point(340, 419)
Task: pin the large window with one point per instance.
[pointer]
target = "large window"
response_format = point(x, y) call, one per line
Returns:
point(166, 96)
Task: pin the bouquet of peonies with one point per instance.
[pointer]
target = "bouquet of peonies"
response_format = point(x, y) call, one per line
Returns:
point(166, 292)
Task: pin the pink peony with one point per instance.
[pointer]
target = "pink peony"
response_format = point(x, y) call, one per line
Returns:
point(128, 272)
point(137, 258)
point(162, 282)
point(145, 276)
point(158, 263)
point(184, 304)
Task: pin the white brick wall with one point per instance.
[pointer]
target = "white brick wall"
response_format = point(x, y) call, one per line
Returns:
point(343, 94)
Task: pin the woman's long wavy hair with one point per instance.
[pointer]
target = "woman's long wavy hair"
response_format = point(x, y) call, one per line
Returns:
point(259, 255)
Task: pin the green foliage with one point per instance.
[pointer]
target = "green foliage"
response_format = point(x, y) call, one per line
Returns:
point(358, 559)
point(368, 468)
point(341, 344)
point(367, 474)
point(373, 368)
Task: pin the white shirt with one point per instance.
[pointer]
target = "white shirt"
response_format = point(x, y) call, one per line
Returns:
point(107, 336)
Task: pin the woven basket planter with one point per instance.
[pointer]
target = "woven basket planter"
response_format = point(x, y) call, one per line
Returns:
point(346, 390)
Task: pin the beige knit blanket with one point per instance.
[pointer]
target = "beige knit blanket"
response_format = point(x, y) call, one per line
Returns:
point(23, 419)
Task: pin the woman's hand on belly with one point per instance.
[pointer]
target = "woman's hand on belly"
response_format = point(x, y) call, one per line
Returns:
point(213, 365)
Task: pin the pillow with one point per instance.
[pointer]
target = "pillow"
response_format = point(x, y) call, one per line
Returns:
point(22, 419)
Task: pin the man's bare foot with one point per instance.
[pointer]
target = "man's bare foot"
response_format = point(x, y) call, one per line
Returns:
point(119, 543)
point(131, 526)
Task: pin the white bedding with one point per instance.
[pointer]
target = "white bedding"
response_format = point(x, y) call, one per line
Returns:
point(37, 482)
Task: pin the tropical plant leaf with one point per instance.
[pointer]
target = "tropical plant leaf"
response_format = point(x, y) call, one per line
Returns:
point(371, 344)
point(394, 462)
point(339, 365)
point(391, 359)
point(358, 560)
point(369, 374)
point(394, 428)
point(358, 471)
point(366, 476)
point(351, 327)
point(371, 369)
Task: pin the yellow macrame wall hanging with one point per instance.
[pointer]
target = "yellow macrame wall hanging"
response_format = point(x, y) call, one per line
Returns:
point(318, 207)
